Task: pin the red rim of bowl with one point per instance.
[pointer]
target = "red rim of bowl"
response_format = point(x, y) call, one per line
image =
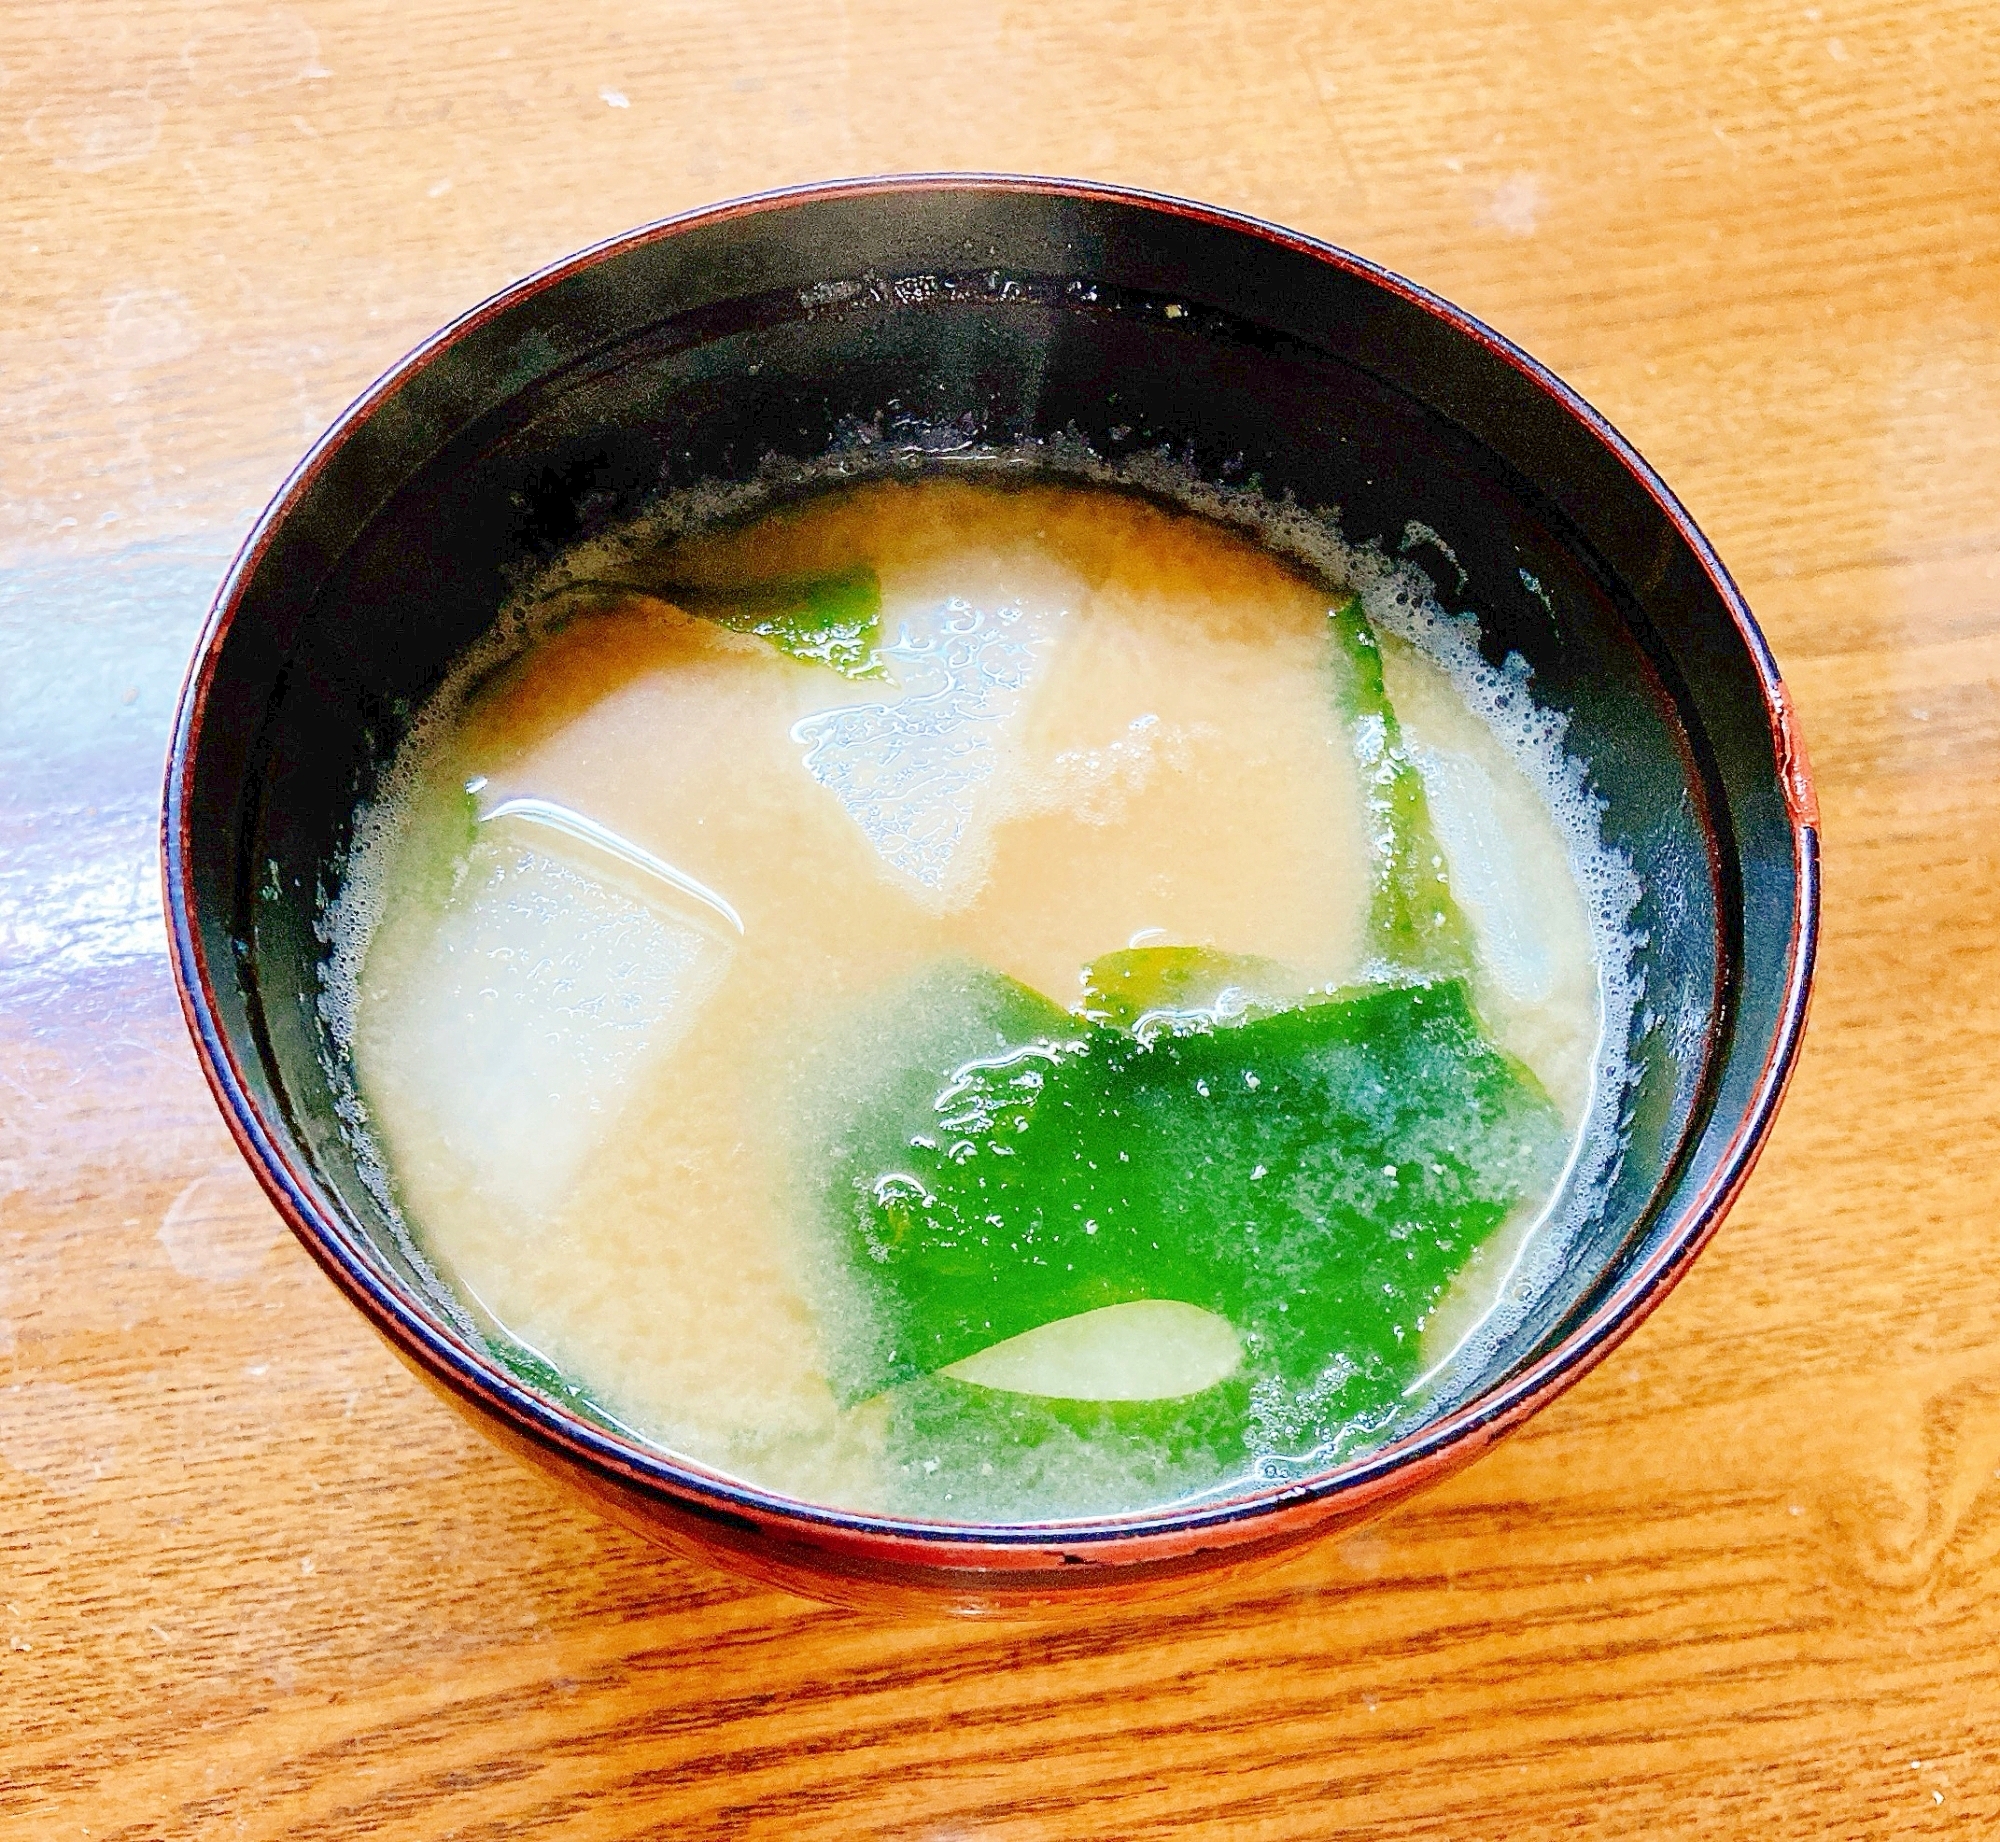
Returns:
point(1269, 1513)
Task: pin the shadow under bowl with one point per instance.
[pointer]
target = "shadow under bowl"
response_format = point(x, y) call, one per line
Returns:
point(906, 317)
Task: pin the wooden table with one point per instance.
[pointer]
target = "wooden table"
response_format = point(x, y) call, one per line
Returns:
point(254, 1582)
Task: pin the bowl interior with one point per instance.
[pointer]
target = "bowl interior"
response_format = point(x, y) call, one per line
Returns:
point(906, 325)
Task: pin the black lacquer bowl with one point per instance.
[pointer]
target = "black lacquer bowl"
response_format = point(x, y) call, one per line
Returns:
point(961, 312)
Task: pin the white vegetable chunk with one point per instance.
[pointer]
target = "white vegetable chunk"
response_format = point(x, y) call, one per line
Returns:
point(1154, 1349)
point(916, 769)
point(560, 971)
point(1470, 819)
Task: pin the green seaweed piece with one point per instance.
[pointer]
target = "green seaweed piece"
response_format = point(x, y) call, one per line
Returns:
point(832, 619)
point(1415, 927)
point(437, 845)
point(864, 1096)
point(1120, 988)
point(1316, 1176)
point(537, 1372)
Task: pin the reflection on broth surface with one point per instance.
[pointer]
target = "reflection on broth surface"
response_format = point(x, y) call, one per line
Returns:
point(985, 1000)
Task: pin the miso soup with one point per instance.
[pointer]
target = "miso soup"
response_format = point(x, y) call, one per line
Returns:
point(985, 998)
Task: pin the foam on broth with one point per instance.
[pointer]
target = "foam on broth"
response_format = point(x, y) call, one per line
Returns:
point(585, 1026)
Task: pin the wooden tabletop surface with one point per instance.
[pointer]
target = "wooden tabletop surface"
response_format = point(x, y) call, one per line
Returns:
point(255, 1582)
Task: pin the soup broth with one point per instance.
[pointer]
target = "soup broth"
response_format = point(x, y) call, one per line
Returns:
point(984, 999)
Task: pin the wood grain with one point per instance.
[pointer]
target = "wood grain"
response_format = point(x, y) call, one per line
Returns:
point(254, 1583)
